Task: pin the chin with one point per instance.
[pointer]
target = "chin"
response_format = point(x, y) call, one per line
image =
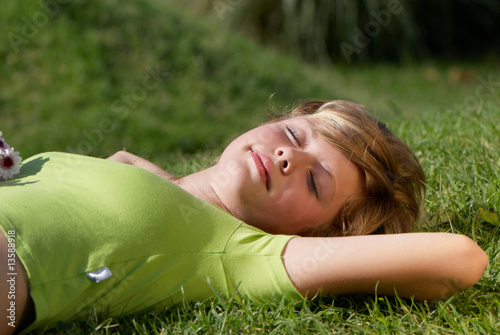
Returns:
point(258, 224)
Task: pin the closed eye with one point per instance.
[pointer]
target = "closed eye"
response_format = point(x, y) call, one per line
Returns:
point(313, 184)
point(292, 133)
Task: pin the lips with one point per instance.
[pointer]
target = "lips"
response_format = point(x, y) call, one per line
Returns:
point(263, 165)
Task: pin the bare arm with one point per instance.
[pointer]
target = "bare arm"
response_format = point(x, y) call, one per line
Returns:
point(128, 158)
point(425, 266)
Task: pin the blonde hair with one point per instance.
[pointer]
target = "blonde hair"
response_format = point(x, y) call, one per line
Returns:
point(394, 182)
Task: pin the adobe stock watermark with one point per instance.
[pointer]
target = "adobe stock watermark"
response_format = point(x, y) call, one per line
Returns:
point(325, 248)
point(120, 109)
point(119, 283)
point(485, 90)
point(30, 26)
point(222, 179)
point(360, 39)
point(222, 7)
point(12, 275)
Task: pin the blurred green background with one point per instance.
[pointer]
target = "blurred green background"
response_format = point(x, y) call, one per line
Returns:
point(175, 81)
point(168, 78)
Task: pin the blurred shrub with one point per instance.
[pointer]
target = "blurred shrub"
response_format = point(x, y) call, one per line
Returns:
point(363, 30)
point(78, 76)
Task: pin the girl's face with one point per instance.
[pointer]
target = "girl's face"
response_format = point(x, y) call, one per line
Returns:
point(284, 178)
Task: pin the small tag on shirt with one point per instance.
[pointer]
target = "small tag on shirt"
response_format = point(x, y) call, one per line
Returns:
point(99, 275)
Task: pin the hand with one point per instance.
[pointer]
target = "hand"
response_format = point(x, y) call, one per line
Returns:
point(128, 158)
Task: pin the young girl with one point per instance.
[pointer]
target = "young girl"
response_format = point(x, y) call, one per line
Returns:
point(292, 208)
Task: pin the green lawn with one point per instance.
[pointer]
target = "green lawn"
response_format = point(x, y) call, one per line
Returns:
point(173, 86)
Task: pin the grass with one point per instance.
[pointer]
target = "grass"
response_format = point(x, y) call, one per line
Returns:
point(78, 84)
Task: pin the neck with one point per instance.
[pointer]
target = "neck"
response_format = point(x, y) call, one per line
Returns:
point(199, 184)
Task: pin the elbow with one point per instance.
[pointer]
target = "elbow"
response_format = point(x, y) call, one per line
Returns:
point(471, 263)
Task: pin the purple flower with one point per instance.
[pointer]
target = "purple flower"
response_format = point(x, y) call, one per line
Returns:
point(10, 161)
point(3, 144)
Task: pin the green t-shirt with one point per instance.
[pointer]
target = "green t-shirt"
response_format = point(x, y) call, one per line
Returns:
point(72, 215)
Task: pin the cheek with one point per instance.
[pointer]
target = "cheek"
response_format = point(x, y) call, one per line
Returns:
point(286, 198)
point(295, 209)
point(262, 134)
point(269, 135)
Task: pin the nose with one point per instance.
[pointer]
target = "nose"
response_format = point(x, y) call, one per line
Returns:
point(290, 159)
